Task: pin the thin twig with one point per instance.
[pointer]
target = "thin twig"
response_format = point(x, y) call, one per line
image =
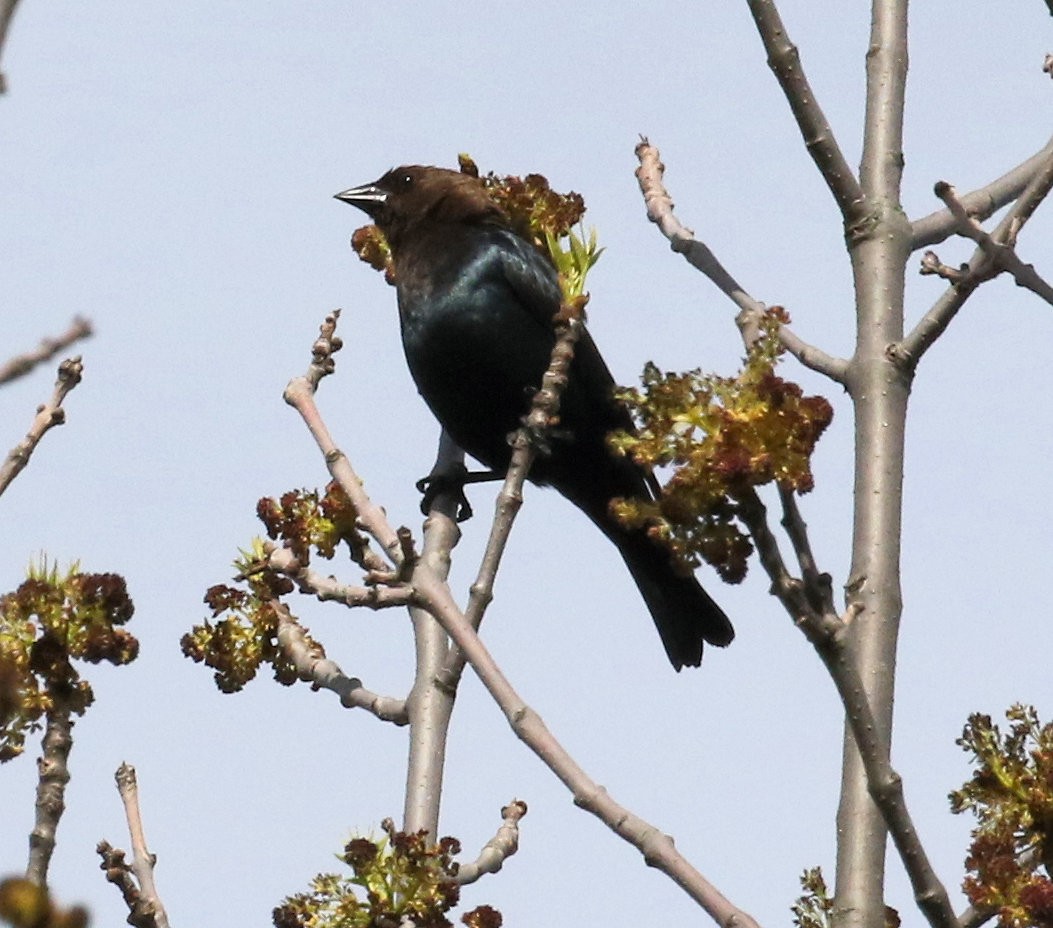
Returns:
point(78, 329)
point(828, 635)
point(7, 10)
point(818, 585)
point(785, 62)
point(931, 264)
point(657, 849)
point(134, 880)
point(910, 350)
point(659, 204)
point(1001, 254)
point(312, 666)
point(48, 416)
point(499, 848)
point(300, 395)
point(650, 175)
point(149, 908)
point(329, 589)
point(980, 203)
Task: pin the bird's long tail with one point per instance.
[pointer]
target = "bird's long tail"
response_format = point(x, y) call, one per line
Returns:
point(684, 613)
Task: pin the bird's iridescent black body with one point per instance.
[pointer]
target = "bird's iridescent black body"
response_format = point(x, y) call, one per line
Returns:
point(476, 304)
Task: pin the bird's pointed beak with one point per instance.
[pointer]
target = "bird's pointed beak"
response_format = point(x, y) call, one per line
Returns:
point(368, 197)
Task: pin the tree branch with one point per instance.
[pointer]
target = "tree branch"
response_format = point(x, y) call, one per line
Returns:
point(682, 240)
point(300, 395)
point(52, 778)
point(881, 169)
point(312, 666)
point(147, 910)
point(1001, 255)
point(499, 848)
point(48, 416)
point(807, 604)
point(79, 328)
point(818, 585)
point(329, 589)
point(429, 705)
point(981, 203)
point(658, 849)
point(135, 880)
point(7, 10)
point(785, 62)
point(909, 351)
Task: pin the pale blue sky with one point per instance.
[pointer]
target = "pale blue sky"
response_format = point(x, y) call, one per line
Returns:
point(168, 172)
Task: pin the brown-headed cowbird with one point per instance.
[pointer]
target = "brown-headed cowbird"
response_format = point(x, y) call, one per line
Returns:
point(476, 304)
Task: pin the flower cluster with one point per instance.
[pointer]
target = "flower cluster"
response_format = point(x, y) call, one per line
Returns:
point(51, 620)
point(395, 880)
point(814, 907)
point(23, 904)
point(247, 637)
point(720, 436)
point(1011, 794)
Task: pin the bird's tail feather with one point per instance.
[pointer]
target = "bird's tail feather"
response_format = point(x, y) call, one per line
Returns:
point(684, 613)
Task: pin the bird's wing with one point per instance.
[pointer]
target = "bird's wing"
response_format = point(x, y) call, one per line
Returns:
point(589, 398)
point(531, 277)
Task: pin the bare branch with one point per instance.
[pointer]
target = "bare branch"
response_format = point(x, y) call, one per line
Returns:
point(1034, 193)
point(499, 848)
point(52, 777)
point(682, 240)
point(828, 635)
point(300, 395)
point(980, 203)
point(931, 264)
point(658, 849)
point(980, 267)
point(329, 589)
point(48, 416)
point(1000, 253)
point(812, 357)
point(120, 874)
point(312, 666)
point(881, 168)
point(429, 705)
point(137, 881)
point(7, 10)
point(49, 347)
point(818, 585)
point(785, 62)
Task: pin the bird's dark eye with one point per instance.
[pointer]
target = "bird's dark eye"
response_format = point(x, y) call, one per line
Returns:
point(406, 180)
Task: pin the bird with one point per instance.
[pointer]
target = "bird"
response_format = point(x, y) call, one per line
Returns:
point(476, 305)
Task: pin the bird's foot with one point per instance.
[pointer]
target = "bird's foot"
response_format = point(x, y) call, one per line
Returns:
point(452, 482)
point(541, 438)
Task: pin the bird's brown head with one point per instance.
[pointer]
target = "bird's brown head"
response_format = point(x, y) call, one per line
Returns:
point(415, 196)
